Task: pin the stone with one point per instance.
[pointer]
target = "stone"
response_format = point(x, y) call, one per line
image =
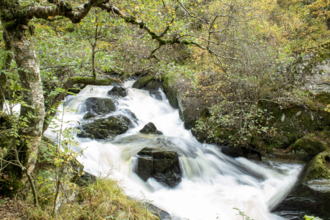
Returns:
point(312, 144)
point(105, 128)
point(311, 194)
point(142, 82)
point(161, 165)
point(233, 152)
point(160, 213)
point(156, 94)
point(100, 106)
point(150, 128)
point(89, 115)
point(85, 179)
point(131, 114)
point(117, 91)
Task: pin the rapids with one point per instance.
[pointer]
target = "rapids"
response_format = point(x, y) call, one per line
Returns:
point(213, 184)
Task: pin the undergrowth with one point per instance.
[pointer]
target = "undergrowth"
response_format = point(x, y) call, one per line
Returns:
point(104, 199)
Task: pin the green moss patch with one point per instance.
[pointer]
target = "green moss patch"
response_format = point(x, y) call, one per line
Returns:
point(313, 143)
point(317, 167)
point(142, 82)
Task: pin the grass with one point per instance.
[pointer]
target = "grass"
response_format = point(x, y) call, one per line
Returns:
point(104, 199)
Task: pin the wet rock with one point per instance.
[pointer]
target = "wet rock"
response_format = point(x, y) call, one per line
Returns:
point(117, 91)
point(311, 194)
point(160, 213)
point(156, 94)
point(161, 165)
point(131, 114)
point(291, 215)
point(85, 179)
point(100, 105)
point(142, 82)
point(105, 127)
point(150, 84)
point(89, 115)
point(150, 128)
point(231, 151)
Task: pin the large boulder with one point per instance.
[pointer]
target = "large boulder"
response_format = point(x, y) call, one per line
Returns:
point(161, 165)
point(142, 82)
point(117, 91)
point(150, 84)
point(311, 196)
point(100, 105)
point(150, 128)
point(312, 144)
point(105, 127)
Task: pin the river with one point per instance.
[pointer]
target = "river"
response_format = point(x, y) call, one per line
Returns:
point(213, 184)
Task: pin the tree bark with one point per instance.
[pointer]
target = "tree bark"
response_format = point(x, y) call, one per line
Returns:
point(5, 67)
point(32, 94)
point(32, 111)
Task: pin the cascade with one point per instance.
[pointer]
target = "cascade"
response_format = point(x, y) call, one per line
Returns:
point(212, 183)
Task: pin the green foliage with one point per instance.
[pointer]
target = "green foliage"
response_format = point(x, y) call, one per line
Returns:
point(311, 218)
point(245, 217)
point(104, 199)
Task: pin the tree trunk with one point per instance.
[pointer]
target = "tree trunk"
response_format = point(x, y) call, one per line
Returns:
point(29, 72)
point(5, 67)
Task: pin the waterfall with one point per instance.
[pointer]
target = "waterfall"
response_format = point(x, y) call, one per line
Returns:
point(212, 185)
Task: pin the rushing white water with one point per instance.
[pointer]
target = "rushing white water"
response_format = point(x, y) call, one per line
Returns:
point(212, 184)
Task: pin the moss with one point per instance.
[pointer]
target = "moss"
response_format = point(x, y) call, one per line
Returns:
point(312, 144)
point(316, 168)
point(11, 181)
point(142, 82)
point(171, 94)
point(323, 98)
point(293, 123)
point(91, 81)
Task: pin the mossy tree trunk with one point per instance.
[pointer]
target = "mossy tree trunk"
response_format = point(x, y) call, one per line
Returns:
point(5, 67)
point(27, 63)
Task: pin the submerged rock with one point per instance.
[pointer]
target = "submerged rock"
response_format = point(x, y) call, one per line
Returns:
point(105, 127)
point(156, 94)
point(100, 105)
point(161, 165)
point(117, 91)
point(150, 128)
point(312, 193)
point(131, 114)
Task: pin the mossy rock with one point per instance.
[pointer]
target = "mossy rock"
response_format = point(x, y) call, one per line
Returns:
point(105, 128)
point(313, 143)
point(292, 123)
point(89, 115)
point(117, 91)
point(171, 94)
point(142, 82)
point(100, 105)
point(318, 167)
point(311, 195)
point(161, 165)
point(150, 128)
